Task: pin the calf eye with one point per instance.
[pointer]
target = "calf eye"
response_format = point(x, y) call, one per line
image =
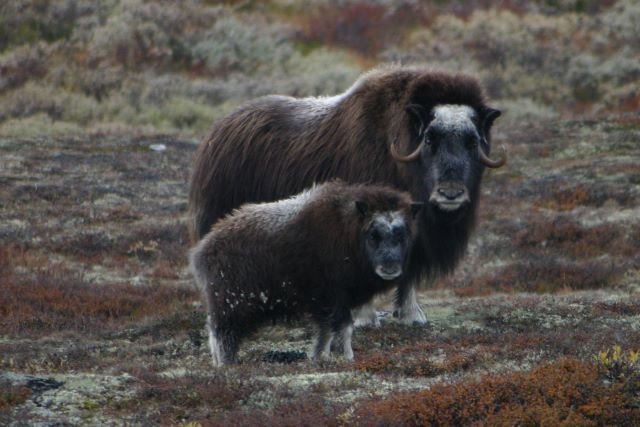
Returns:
point(398, 233)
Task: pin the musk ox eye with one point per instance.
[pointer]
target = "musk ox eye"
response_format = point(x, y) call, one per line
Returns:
point(430, 135)
point(472, 142)
point(375, 238)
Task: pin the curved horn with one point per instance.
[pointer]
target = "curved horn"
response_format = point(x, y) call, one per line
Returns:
point(492, 163)
point(405, 159)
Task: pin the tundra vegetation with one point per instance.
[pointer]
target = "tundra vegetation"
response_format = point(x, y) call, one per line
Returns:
point(99, 320)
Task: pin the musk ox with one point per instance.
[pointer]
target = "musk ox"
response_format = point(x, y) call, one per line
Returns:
point(420, 131)
point(322, 252)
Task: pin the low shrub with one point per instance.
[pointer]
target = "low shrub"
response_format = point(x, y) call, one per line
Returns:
point(620, 366)
point(566, 392)
point(12, 395)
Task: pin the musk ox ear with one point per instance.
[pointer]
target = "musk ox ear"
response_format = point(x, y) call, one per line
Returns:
point(419, 114)
point(362, 208)
point(416, 207)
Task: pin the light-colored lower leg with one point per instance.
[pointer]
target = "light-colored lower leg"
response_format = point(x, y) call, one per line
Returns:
point(214, 345)
point(409, 311)
point(346, 333)
point(322, 346)
point(365, 316)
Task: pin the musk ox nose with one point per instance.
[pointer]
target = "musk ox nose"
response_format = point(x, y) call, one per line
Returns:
point(450, 193)
point(449, 196)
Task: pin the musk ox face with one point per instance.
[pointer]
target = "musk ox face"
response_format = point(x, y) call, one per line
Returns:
point(387, 240)
point(450, 157)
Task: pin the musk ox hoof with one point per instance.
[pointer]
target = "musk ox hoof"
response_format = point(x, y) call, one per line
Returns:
point(412, 315)
point(365, 316)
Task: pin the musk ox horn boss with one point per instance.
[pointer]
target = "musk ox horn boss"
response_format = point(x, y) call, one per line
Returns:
point(420, 131)
point(324, 252)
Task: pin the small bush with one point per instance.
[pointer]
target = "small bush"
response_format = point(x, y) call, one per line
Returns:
point(135, 34)
point(236, 46)
point(22, 64)
point(620, 366)
point(12, 395)
point(24, 21)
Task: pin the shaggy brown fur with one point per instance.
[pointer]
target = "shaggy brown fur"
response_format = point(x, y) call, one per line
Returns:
point(307, 254)
point(276, 146)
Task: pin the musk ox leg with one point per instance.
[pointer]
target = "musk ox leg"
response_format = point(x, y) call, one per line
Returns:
point(346, 334)
point(409, 311)
point(322, 345)
point(365, 315)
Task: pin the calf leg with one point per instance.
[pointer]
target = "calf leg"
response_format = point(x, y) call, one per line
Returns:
point(223, 343)
point(217, 355)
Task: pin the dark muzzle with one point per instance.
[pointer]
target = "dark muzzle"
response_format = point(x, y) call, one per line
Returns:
point(449, 196)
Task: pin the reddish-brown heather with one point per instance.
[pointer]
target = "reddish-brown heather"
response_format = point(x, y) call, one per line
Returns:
point(49, 298)
point(566, 392)
point(12, 395)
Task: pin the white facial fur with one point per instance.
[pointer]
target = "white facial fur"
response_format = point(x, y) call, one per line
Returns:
point(453, 118)
point(388, 220)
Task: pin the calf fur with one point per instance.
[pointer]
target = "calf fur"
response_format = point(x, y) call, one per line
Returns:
point(323, 252)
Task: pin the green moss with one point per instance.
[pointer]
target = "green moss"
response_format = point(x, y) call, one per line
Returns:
point(90, 405)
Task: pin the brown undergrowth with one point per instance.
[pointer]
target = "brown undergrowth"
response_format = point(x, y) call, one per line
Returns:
point(12, 395)
point(564, 392)
point(38, 298)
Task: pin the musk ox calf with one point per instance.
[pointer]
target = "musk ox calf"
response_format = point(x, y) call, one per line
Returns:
point(416, 130)
point(323, 252)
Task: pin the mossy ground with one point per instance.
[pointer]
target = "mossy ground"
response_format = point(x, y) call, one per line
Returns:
point(101, 107)
point(97, 301)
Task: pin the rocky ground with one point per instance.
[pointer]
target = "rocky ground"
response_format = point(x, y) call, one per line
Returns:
point(99, 323)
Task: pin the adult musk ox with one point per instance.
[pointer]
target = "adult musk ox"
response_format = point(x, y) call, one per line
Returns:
point(424, 132)
point(324, 252)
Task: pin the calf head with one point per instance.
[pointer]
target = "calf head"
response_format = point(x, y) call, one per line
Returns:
point(386, 238)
